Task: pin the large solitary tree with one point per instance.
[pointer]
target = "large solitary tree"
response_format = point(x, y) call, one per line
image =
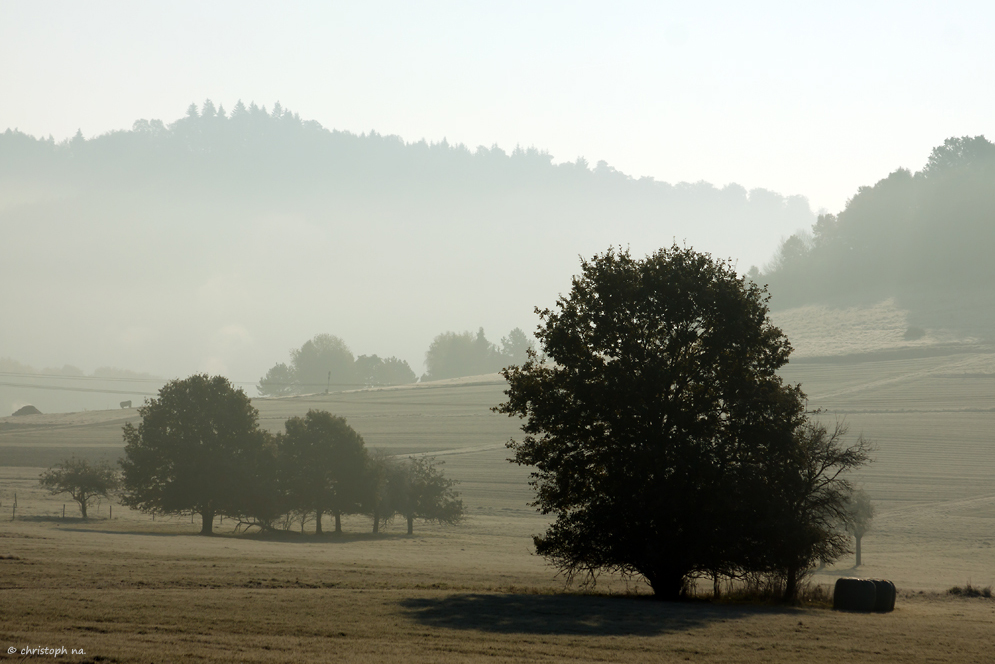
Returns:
point(197, 449)
point(656, 406)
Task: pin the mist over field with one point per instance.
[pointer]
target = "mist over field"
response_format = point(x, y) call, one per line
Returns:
point(277, 383)
point(218, 241)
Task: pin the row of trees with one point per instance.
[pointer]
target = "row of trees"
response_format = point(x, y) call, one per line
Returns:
point(326, 363)
point(664, 441)
point(199, 449)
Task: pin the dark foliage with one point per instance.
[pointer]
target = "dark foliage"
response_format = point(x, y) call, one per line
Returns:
point(197, 449)
point(658, 426)
point(322, 462)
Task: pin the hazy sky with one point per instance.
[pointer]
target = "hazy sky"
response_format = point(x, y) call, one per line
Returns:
point(781, 95)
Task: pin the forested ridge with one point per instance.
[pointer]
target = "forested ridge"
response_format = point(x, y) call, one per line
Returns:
point(221, 239)
point(924, 238)
point(250, 146)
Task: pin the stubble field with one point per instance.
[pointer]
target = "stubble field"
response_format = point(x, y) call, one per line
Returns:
point(129, 589)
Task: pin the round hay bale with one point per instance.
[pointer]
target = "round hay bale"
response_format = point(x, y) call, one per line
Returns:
point(854, 595)
point(884, 597)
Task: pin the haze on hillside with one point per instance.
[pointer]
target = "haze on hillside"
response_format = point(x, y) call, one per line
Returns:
point(219, 241)
point(922, 238)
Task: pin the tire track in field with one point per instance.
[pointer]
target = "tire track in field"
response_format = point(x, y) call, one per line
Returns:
point(940, 508)
point(459, 450)
point(906, 377)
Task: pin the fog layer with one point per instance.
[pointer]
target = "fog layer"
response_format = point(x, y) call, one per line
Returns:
point(221, 240)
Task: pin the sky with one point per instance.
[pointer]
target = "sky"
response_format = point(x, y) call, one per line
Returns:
point(788, 96)
point(797, 98)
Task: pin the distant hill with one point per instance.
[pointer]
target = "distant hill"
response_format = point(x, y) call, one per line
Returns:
point(219, 241)
point(924, 239)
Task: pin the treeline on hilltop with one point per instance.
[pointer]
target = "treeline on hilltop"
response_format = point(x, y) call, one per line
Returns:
point(326, 363)
point(211, 148)
point(924, 238)
point(199, 448)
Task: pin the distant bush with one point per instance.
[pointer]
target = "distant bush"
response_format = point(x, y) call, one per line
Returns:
point(325, 363)
point(769, 589)
point(969, 590)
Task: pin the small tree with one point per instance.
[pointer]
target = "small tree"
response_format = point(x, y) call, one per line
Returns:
point(421, 491)
point(859, 514)
point(383, 473)
point(279, 381)
point(515, 347)
point(85, 483)
point(810, 495)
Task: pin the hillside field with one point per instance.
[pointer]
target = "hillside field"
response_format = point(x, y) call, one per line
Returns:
point(130, 589)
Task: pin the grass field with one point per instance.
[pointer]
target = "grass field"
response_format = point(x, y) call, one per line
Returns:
point(130, 589)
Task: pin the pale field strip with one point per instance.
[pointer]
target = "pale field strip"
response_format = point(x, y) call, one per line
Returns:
point(820, 331)
point(969, 381)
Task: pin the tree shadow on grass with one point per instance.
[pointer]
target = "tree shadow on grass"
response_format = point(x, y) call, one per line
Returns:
point(583, 615)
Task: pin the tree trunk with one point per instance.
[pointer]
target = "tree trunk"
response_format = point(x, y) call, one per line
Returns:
point(338, 522)
point(716, 587)
point(317, 521)
point(411, 525)
point(82, 509)
point(857, 537)
point(669, 587)
point(207, 522)
point(791, 584)
point(376, 521)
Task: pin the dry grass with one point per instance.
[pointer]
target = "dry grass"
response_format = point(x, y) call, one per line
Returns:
point(123, 595)
point(136, 590)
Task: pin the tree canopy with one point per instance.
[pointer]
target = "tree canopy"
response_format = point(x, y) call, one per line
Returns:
point(323, 461)
point(420, 490)
point(657, 422)
point(197, 449)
